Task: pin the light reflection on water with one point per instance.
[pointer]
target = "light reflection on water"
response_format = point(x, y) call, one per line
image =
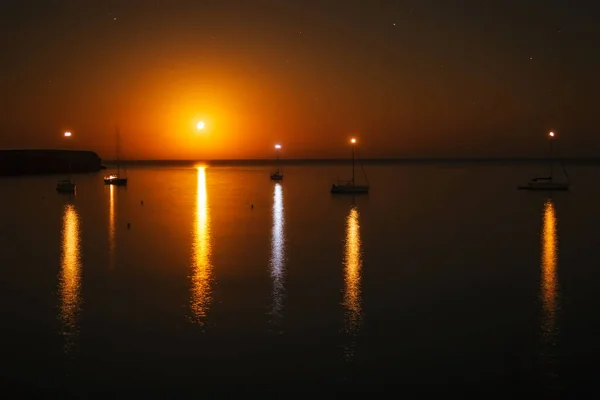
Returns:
point(70, 275)
point(549, 292)
point(184, 238)
point(278, 252)
point(352, 277)
point(201, 295)
point(549, 296)
point(549, 267)
point(111, 225)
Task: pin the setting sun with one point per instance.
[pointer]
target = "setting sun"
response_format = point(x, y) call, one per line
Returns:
point(200, 125)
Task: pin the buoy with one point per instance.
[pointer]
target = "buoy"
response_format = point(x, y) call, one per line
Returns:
point(142, 202)
point(128, 225)
point(252, 206)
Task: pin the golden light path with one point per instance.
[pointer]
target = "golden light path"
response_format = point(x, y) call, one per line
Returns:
point(201, 296)
point(353, 266)
point(549, 296)
point(549, 266)
point(70, 275)
point(111, 225)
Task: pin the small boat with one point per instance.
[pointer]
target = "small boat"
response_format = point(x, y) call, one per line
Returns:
point(116, 178)
point(548, 183)
point(278, 174)
point(544, 183)
point(350, 187)
point(65, 186)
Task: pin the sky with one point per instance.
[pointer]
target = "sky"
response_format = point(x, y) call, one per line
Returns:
point(441, 78)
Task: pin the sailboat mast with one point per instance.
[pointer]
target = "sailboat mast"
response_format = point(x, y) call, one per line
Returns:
point(117, 146)
point(352, 164)
point(551, 170)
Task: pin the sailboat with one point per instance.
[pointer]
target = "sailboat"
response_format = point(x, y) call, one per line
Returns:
point(67, 185)
point(278, 174)
point(548, 182)
point(116, 179)
point(350, 187)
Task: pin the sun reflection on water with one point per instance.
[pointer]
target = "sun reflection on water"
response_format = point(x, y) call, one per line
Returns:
point(201, 296)
point(278, 251)
point(70, 275)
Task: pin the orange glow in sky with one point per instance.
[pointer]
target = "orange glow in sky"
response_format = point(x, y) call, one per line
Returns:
point(227, 82)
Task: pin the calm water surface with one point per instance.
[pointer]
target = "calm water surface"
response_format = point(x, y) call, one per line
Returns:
point(442, 278)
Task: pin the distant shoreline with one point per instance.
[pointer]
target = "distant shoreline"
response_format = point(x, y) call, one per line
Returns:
point(369, 161)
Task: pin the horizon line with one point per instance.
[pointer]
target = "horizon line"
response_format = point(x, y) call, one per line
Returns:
point(361, 160)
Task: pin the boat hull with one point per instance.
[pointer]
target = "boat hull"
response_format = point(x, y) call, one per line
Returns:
point(349, 189)
point(545, 186)
point(115, 181)
point(276, 177)
point(65, 187)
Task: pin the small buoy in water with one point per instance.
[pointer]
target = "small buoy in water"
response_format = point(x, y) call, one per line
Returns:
point(128, 225)
point(251, 205)
point(43, 197)
point(142, 202)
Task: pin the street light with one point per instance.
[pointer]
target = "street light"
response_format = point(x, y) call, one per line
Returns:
point(278, 146)
point(353, 141)
point(67, 134)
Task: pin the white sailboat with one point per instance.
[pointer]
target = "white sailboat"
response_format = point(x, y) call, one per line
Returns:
point(116, 178)
point(350, 187)
point(548, 182)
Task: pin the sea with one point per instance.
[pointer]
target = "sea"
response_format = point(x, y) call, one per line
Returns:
point(214, 280)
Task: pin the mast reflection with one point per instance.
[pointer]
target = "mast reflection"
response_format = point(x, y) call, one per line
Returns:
point(70, 275)
point(549, 290)
point(353, 266)
point(278, 252)
point(111, 225)
point(202, 268)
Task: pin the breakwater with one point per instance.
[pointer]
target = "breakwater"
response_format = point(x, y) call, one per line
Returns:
point(26, 162)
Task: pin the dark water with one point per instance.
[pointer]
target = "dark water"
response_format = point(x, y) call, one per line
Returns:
point(441, 279)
